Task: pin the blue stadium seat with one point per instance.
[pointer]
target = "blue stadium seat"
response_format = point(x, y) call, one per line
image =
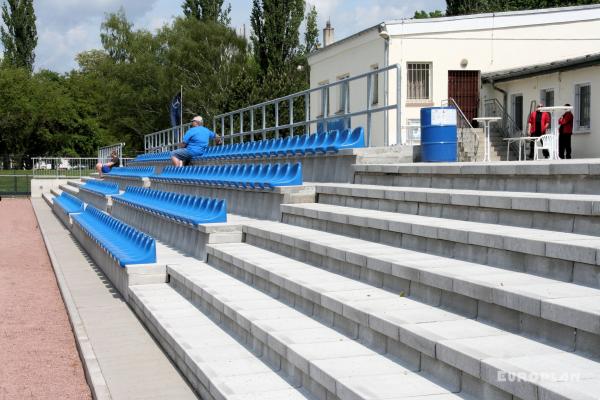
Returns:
point(100, 187)
point(179, 207)
point(256, 176)
point(134, 172)
point(354, 140)
point(69, 203)
point(124, 243)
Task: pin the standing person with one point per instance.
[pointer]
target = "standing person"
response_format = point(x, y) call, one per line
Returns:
point(195, 142)
point(105, 168)
point(565, 131)
point(538, 125)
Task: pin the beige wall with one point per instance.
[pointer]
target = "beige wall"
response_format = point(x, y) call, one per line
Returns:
point(585, 143)
point(487, 43)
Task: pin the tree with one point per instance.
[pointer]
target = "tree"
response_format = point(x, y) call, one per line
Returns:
point(424, 14)
point(462, 7)
point(275, 32)
point(20, 36)
point(207, 10)
point(311, 36)
point(116, 36)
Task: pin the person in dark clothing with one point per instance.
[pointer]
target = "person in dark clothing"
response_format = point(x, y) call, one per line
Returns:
point(565, 131)
point(105, 168)
point(538, 125)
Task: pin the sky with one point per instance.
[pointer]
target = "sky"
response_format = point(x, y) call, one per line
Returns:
point(68, 27)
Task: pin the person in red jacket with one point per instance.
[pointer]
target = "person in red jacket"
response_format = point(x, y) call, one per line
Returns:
point(538, 125)
point(565, 130)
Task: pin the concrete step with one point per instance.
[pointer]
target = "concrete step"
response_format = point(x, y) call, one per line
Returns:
point(69, 189)
point(514, 300)
point(217, 365)
point(557, 212)
point(48, 198)
point(328, 364)
point(556, 255)
point(381, 318)
point(562, 176)
point(76, 183)
point(55, 192)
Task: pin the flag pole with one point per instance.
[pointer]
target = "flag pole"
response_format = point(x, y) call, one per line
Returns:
point(181, 111)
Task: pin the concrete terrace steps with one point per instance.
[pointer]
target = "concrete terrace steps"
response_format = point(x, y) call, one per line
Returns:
point(467, 345)
point(217, 365)
point(579, 253)
point(561, 212)
point(472, 289)
point(325, 362)
point(562, 176)
point(69, 189)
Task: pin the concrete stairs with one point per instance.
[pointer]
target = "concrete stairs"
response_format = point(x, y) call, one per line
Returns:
point(497, 147)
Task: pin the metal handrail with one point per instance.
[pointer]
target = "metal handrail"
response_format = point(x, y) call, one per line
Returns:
point(450, 102)
point(104, 153)
point(167, 139)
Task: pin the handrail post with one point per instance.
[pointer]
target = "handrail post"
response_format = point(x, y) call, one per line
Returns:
point(291, 101)
point(241, 127)
point(399, 137)
point(231, 128)
point(223, 130)
point(276, 120)
point(252, 124)
point(264, 122)
point(307, 112)
point(369, 103)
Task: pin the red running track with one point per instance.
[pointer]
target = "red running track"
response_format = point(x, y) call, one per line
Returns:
point(38, 357)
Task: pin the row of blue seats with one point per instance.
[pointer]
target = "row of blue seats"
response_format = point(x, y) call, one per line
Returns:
point(247, 176)
point(69, 203)
point(179, 207)
point(124, 243)
point(318, 143)
point(136, 172)
point(100, 187)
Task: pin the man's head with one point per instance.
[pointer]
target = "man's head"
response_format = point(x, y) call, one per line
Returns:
point(567, 105)
point(540, 105)
point(197, 121)
point(113, 153)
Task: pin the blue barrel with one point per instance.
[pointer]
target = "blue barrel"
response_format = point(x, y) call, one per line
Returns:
point(438, 134)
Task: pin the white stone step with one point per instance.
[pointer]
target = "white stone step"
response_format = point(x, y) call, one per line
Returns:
point(560, 212)
point(69, 189)
point(48, 198)
point(327, 363)
point(75, 184)
point(450, 282)
point(466, 344)
point(550, 245)
point(55, 192)
point(216, 364)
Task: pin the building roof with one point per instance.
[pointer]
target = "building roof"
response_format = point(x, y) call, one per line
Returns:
point(472, 22)
point(541, 69)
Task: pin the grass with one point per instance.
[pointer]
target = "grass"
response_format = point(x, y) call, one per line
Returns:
point(15, 184)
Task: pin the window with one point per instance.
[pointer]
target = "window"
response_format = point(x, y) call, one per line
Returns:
point(344, 93)
point(375, 85)
point(547, 97)
point(517, 113)
point(413, 130)
point(324, 99)
point(419, 81)
point(583, 97)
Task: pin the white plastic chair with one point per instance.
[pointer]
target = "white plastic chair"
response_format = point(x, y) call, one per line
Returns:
point(544, 142)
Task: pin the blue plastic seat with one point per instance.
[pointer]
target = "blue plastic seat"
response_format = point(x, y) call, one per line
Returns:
point(285, 145)
point(354, 140)
point(329, 141)
point(69, 203)
point(179, 207)
point(125, 244)
point(131, 172)
point(100, 187)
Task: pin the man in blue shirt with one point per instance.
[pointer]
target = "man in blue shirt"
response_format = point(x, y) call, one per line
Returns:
point(195, 142)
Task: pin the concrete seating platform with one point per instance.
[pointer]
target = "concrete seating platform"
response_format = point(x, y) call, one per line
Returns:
point(310, 353)
point(381, 319)
point(557, 255)
point(66, 204)
point(562, 176)
point(98, 193)
point(215, 363)
point(574, 213)
point(560, 312)
point(130, 176)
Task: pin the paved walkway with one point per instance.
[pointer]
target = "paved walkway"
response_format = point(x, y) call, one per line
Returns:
point(38, 356)
point(130, 363)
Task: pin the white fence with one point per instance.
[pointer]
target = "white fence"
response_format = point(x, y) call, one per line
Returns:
point(105, 153)
point(66, 167)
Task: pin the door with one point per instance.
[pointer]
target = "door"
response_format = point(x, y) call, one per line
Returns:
point(463, 87)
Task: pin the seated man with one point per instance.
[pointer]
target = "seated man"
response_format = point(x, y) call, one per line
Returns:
point(195, 142)
point(105, 168)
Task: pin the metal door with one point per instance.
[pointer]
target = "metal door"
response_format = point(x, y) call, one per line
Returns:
point(463, 87)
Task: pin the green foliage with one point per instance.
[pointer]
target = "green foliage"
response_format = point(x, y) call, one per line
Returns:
point(424, 14)
point(311, 35)
point(207, 11)
point(20, 36)
point(462, 7)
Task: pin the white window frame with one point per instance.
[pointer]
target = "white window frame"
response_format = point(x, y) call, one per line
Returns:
point(577, 128)
point(421, 99)
point(375, 85)
point(543, 96)
point(343, 94)
point(413, 130)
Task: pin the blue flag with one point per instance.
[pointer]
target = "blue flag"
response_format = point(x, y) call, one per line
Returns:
point(176, 110)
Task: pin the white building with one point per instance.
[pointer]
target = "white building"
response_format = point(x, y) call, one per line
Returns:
point(445, 58)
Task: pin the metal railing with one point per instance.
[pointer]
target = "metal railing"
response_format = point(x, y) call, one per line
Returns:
point(293, 113)
point(105, 153)
point(506, 127)
point(468, 140)
point(66, 167)
point(15, 183)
